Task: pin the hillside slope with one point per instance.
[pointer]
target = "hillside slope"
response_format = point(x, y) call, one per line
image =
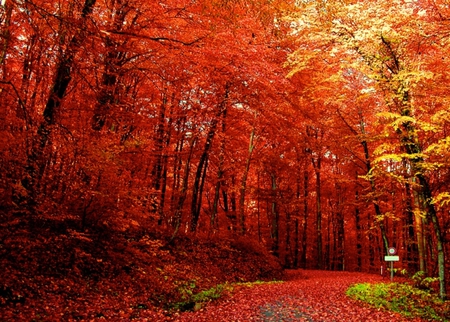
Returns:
point(52, 273)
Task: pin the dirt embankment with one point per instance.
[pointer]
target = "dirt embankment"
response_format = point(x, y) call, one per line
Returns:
point(50, 275)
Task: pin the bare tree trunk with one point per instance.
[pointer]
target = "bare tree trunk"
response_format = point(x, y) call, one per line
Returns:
point(339, 229)
point(288, 250)
point(318, 214)
point(183, 192)
point(305, 218)
point(258, 205)
point(220, 173)
point(275, 217)
point(232, 213)
point(296, 241)
point(358, 233)
point(243, 187)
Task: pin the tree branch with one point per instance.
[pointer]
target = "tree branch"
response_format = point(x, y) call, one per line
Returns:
point(157, 39)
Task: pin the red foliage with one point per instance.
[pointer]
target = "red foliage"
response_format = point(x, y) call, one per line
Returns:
point(121, 118)
point(83, 276)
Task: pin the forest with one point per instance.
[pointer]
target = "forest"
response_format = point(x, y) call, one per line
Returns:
point(314, 131)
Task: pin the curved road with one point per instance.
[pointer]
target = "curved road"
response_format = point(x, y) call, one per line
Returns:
point(311, 296)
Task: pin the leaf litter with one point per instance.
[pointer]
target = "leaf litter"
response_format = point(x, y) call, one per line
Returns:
point(311, 296)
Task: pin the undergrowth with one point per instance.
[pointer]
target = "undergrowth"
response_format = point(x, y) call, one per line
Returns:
point(58, 273)
point(195, 301)
point(403, 298)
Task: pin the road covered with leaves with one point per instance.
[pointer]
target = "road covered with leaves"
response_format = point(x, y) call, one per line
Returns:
point(305, 296)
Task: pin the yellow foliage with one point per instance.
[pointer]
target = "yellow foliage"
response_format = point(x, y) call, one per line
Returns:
point(390, 157)
point(442, 199)
point(393, 44)
point(419, 213)
point(441, 148)
point(384, 148)
point(441, 117)
point(428, 127)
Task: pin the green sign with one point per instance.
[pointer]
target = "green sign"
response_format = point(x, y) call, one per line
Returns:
point(391, 258)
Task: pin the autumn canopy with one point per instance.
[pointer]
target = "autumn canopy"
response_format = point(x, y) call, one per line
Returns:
point(319, 129)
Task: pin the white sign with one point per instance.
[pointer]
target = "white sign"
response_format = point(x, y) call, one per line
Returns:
point(392, 251)
point(391, 258)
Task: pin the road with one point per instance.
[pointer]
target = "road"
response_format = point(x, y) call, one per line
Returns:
point(312, 296)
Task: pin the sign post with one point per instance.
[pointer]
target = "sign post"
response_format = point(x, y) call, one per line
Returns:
point(392, 258)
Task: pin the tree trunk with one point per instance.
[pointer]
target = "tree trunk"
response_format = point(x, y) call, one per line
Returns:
point(358, 233)
point(6, 36)
point(113, 59)
point(164, 160)
point(413, 247)
point(340, 230)
point(275, 217)
point(316, 160)
point(36, 160)
point(431, 211)
point(410, 144)
point(183, 192)
point(220, 173)
point(305, 218)
point(157, 169)
point(177, 165)
point(420, 236)
point(319, 217)
point(296, 245)
point(258, 205)
point(232, 215)
point(376, 206)
point(243, 187)
point(288, 248)
point(201, 168)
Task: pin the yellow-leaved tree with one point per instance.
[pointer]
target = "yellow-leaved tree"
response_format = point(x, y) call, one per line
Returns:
point(401, 50)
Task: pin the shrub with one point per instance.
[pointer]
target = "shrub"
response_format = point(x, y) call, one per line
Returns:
point(194, 302)
point(405, 299)
point(421, 281)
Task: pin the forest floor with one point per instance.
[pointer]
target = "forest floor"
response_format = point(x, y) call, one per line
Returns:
point(304, 296)
point(51, 272)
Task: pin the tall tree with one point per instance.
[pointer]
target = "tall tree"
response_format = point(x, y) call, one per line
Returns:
point(385, 45)
point(37, 160)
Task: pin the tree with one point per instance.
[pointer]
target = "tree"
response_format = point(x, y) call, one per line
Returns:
point(393, 54)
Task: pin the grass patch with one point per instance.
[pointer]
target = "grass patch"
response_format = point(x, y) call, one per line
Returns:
point(195, 301)
point(403, 298)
